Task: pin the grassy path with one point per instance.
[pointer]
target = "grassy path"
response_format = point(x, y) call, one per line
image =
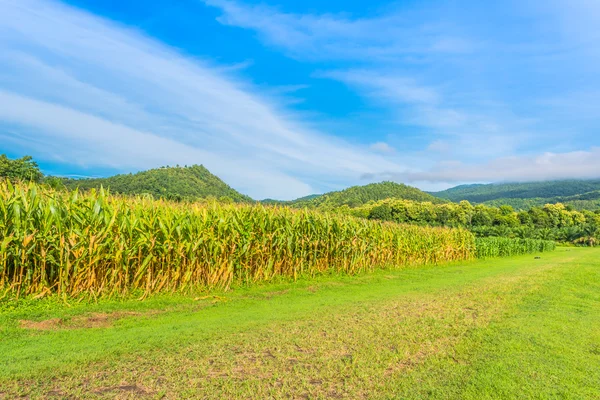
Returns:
point(508, 328)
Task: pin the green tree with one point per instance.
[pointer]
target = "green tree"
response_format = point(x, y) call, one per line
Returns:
point(20, 169)
point(382, 212)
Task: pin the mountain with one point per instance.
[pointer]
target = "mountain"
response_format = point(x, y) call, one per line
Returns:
point(174, 183)
point(359, 195)
point(530, 190)
point(581, 194)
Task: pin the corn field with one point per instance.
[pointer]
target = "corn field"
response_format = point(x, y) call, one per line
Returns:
point(101, 245)
point(489, 247)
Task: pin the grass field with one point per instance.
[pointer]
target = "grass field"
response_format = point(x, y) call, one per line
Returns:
point(508, 328)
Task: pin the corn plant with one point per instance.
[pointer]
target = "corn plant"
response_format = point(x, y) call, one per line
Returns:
point(489, 247)
point(97, 244)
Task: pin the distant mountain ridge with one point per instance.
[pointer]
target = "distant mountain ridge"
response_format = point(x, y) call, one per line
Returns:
point(173, 183)
point(582, 193)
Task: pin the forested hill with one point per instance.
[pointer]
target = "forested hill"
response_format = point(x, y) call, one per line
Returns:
point(359, 195)
point(536, 191)
point(173, 183)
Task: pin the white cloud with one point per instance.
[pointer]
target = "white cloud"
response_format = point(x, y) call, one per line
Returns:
point(547, 166)
point(111, 96)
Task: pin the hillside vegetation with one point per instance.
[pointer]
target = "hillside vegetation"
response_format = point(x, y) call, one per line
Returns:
point(172, 183)
point(357, 196)
point(550, 222)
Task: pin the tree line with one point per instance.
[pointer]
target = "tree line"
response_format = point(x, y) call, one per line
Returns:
point(550, 222)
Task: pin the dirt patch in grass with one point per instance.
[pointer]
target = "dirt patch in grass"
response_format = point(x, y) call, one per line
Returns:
point(47, 325)
point(99, 320)
point(94, 320)
point(122, 388)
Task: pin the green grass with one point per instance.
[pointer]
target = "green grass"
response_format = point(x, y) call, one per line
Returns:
point(503, 328)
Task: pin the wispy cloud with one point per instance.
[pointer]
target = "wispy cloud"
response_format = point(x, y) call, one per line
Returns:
point(386, 86)
point(108, 95)
point(328, 36)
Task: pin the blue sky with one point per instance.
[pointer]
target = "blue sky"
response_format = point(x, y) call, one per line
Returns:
point(282, 99)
